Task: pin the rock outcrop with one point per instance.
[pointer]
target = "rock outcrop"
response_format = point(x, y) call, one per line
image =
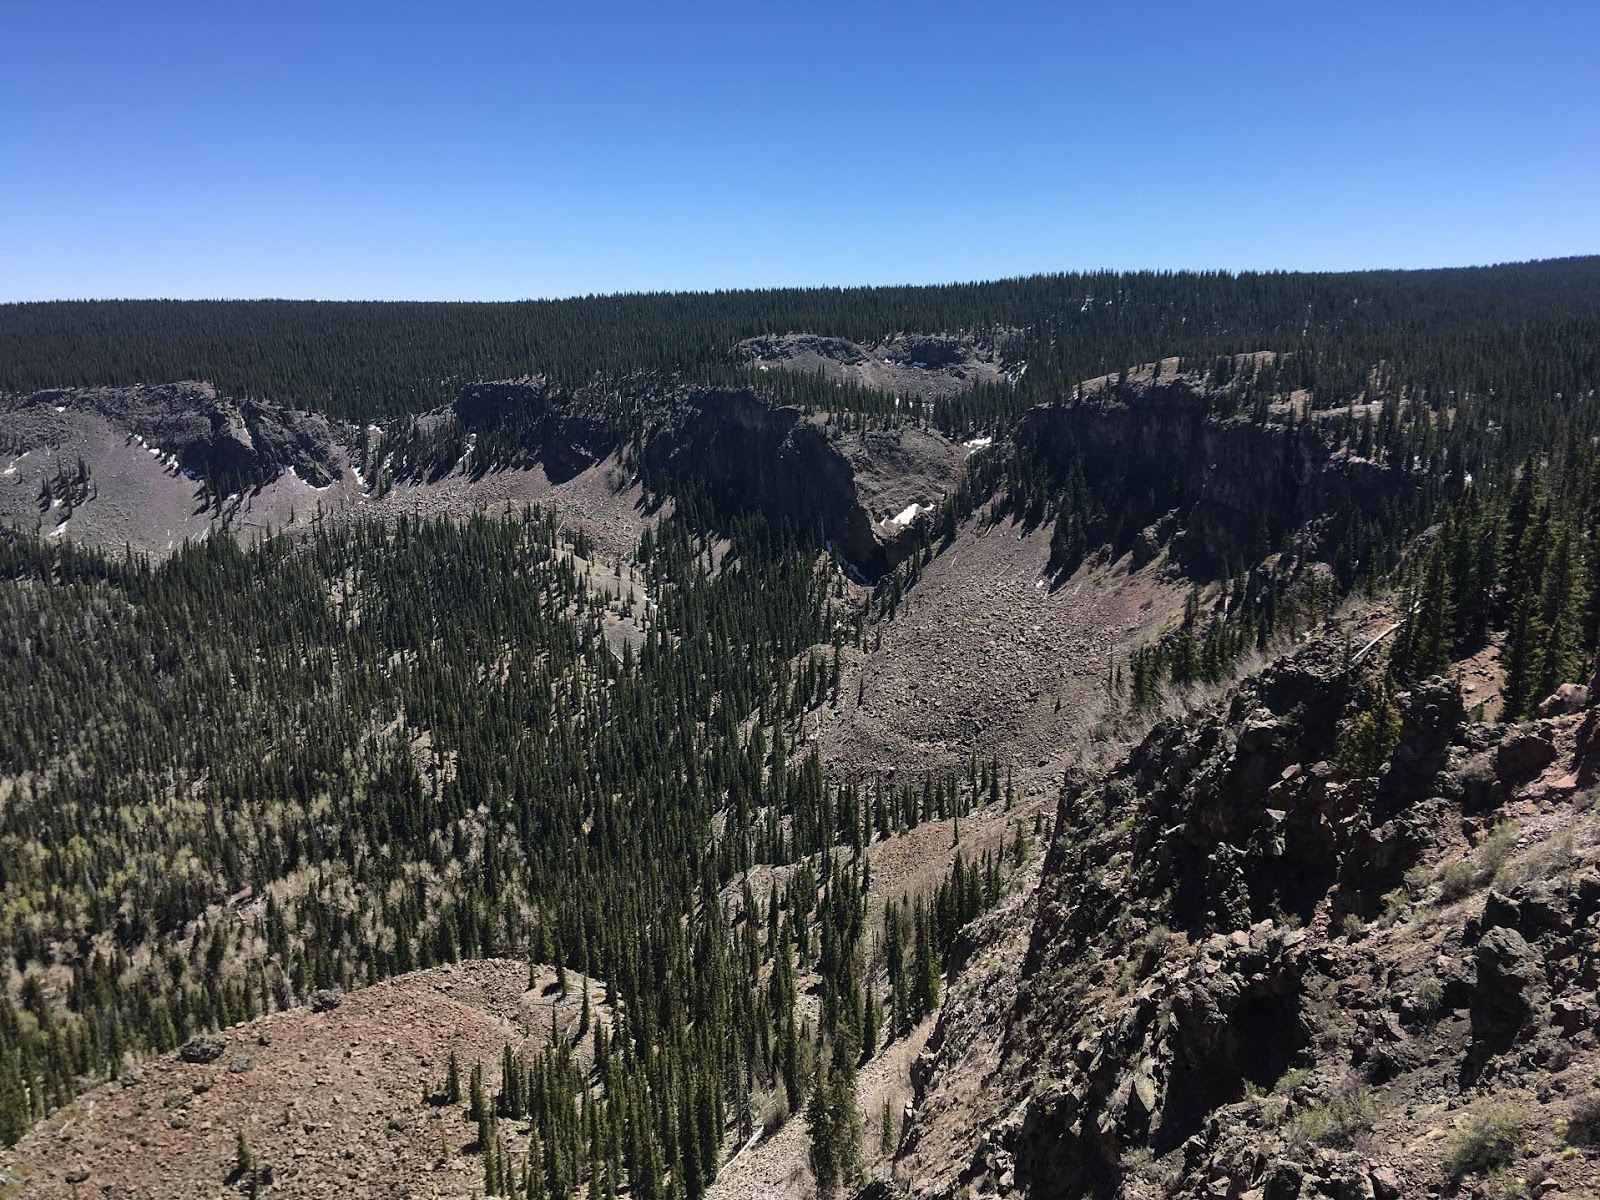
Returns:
point(236, 443)
point(724, 444)
point(1262, 966)
point(915, 364)
point(1160, 445)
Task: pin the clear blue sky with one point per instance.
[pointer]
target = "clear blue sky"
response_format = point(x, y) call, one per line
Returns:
point(487, 151)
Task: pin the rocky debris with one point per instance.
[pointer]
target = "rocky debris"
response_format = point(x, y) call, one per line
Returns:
point(333, 1107)
point(986, 655)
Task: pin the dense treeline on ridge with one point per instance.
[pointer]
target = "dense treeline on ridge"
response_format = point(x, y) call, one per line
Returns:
point(1464, 329)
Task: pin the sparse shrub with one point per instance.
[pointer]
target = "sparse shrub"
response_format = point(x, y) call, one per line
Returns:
point(1548, 859)
point(1149, 950)
point(1503, 1185)
point(1583, 1126)
point(1496, 850)
point(1354, 927)
point(1337, 1122)
point(1456, 880)
point(1489, 1139)
point(1428, 997)
point(1291, 1079)
point(1464, 876)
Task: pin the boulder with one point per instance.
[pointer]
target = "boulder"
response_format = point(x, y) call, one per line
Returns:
point(202, 1049)
point(1524, 752)
point(326, 999)
point(1568, 698)
point(1510, 978)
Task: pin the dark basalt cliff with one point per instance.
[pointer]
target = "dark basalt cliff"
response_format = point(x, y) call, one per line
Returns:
point(724, 444)
point(1162, 446)
point(234, 443)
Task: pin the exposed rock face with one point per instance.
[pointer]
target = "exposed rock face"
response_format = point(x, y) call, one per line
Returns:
point(1231, 479)
point(1234, 820)
point(1505, 998)
point(918, 364)
point(1227, 992)
point(234, 442)
point(565, 432)
point(739, 451)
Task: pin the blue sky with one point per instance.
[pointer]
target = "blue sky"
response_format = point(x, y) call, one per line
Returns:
point(492, 151)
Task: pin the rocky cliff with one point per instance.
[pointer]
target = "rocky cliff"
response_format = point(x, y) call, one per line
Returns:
point(1311, 942)
point(725, 445)
point(236, 442)
point(1154, 445)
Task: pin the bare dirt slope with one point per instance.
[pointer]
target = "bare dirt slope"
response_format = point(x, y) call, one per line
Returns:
point(331, 1102)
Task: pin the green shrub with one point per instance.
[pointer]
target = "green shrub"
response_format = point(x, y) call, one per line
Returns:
point(1428, 996)
point(1337, 1122)
point(1464, 876)
point(1495, 850)
point(1456, 879)
point(1547, 860)
point(1490, 1138)
point(1291, 1079)
point(1368, 739)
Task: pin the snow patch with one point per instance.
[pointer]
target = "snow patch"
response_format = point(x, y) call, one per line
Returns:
point(909, 514)
point(850, 568)
point(59, 529)
point(61, 408)
point(979, 443)
point(295, 475)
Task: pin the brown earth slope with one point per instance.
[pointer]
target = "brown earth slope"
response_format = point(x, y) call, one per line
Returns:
point(331, 1102)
